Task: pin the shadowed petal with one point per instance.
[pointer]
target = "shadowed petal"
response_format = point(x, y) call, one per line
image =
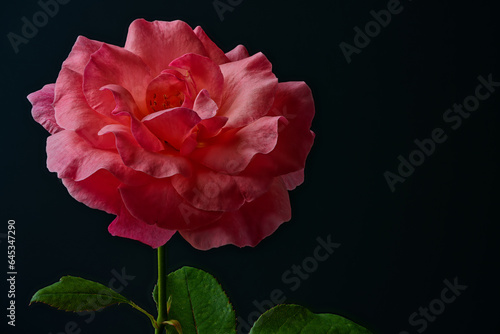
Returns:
point(210, 127)
point(98, 191)
point(159, 203)
point(293, 179)
point(126, 226)
point(249, 225)
point(208, 190)
point(253, 186)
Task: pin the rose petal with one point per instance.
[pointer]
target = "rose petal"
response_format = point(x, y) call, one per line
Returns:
point(293, 101)
point(72, 157)
point(213, 51)
point(159, 203)
point(189, 145)
point(98, 191)
point(233, 150)
point(126, 226)
point(293, 179)
point(43, 110)
point(124, 101)
point(202, 132)
point(72, 111)
point(253, 222)
point(207, 190)
point(158, 42)
point(204, 73)
point(125, 106)
point(144, 137)
point(204, 106)
point(249, 88)
point(238, 53)
point(253, 186)
point(80, 54)
point(172, 125)
point(114, 65)
point(160, 164)
point(210, 127)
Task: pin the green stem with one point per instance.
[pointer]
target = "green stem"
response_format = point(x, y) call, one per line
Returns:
point(137, 307)
point(162, 293)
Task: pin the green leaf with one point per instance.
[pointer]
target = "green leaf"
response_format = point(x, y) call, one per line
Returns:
point(294, 319)
point(77, 294)
point(199, 303)
point(155, 295)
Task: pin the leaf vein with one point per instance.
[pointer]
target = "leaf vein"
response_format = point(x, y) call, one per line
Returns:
point(190, 302)
point(289, 319)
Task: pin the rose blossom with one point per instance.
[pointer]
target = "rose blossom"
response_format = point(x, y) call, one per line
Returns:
point(169, 133)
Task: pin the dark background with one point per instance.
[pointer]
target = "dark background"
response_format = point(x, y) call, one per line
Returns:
point(396, 249)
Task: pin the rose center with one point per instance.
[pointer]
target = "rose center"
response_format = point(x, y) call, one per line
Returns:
point(167, 100)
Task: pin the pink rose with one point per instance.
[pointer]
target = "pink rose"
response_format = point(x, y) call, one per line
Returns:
point(170, 134)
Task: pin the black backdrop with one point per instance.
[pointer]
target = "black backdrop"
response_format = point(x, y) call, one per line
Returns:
point(397, 248)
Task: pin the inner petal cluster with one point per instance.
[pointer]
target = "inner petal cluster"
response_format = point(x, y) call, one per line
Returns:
point(167, 100)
